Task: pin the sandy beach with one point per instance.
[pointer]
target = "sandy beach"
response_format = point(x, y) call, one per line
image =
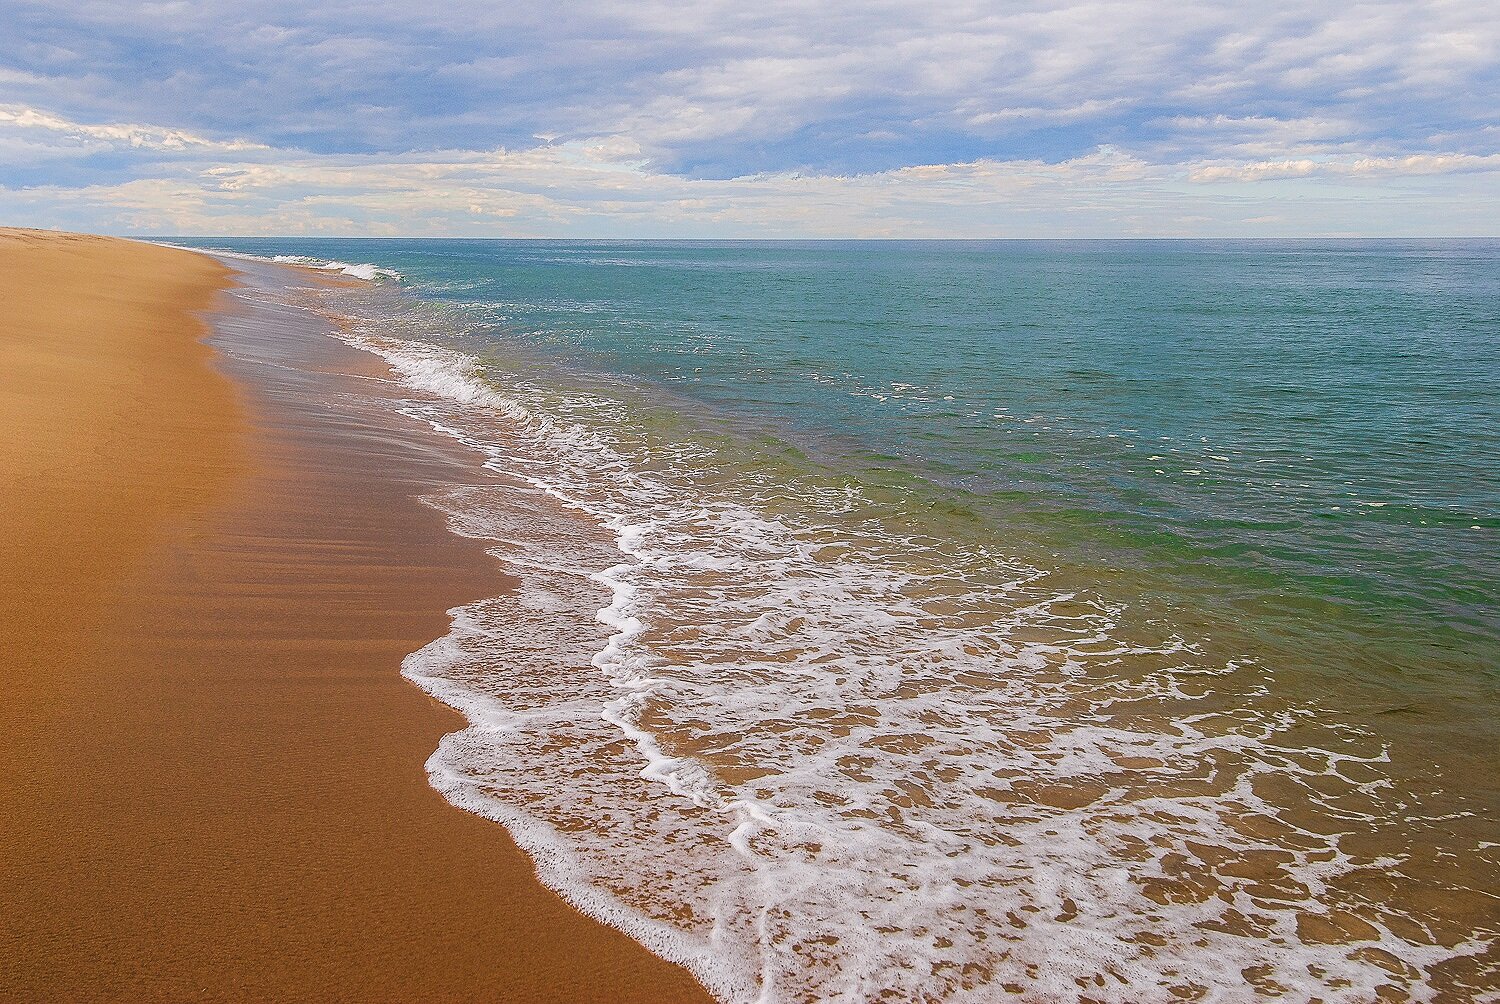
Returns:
point(213, 781)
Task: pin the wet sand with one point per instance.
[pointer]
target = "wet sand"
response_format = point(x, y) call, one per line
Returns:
point(213, 563)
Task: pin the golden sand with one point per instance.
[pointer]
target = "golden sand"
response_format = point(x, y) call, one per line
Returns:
point(211, 780)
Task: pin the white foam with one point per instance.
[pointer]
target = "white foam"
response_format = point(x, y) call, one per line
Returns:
point(367, 271)
point(820, 753)
point(446, 374)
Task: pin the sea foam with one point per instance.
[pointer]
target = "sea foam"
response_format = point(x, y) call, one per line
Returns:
point(362, 270)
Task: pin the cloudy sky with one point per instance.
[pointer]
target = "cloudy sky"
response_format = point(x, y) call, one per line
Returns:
point(774, 118)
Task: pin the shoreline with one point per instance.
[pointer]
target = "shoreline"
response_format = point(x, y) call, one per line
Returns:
point(215, 784)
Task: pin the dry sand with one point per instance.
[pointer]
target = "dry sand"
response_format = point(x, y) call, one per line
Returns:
point(211, 780)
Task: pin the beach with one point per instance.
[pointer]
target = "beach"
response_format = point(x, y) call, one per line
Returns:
point(549, 620)
point(213, 782)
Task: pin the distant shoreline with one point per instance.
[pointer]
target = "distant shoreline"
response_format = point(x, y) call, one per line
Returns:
point(1395, 239)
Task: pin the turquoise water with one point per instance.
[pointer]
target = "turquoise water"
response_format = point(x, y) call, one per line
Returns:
point(1304, 428)
point(1147, 589)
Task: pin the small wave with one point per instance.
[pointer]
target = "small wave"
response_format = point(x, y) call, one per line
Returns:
point(443, 372)
point(366, 271)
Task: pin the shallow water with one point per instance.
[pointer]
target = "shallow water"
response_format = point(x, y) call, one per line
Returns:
point(1088, 621)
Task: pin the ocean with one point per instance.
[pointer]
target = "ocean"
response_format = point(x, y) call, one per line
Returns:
point(1077, 621)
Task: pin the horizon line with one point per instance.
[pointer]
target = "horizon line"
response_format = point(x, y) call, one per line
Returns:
point(792, 240)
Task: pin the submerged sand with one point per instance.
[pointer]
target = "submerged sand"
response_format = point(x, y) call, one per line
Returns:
point(212, 782)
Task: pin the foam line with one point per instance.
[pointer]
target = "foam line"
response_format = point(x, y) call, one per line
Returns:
point(367, 271)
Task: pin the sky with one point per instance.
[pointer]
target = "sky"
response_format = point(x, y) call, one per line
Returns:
point(772, 118)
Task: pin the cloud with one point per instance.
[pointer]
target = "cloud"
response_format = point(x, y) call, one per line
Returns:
point(605, 187)
point(82, 136)
point(728, 88)
point(1413, 165)
point(782, 114)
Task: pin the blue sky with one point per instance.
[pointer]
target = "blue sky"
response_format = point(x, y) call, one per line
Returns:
point(778, 118)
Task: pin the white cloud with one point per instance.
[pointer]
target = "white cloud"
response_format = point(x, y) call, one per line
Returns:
point(143, 137)
point(602, 188)
point(719, 80)
point(1412, 165)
